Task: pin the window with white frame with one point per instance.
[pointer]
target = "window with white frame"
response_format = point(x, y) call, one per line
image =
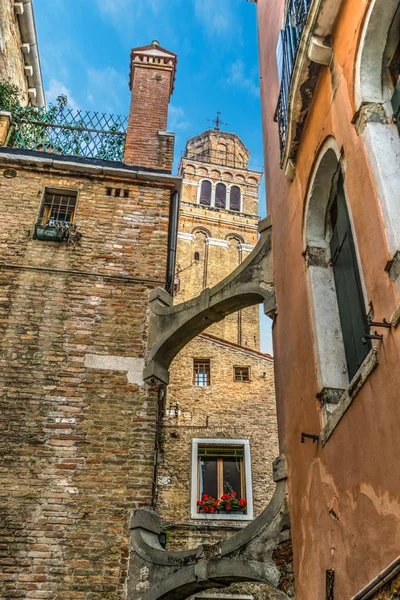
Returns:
point(220, 195)
point(205, 193)
point(221, 479)
point(235, 198)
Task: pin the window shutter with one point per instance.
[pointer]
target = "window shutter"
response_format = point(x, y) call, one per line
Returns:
point(396, 104)
point(348, 284)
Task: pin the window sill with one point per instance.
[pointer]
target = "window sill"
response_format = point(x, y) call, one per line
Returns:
point(369, 364)
point(222, 517)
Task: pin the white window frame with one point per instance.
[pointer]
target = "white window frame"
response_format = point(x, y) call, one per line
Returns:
point(212, 192)
point(196, 442)
point(228, 203)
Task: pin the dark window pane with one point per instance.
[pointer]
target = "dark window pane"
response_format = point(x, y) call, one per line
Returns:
point(205, 193)
point(208, 477)
point(232, 476)
point(235, 198)
point(348, 285)
point(220, 196)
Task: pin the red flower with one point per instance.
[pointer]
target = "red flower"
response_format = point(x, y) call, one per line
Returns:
point(242, 502)
point(199, 503)
point(234, 494)
point(228, 507)
point(204, 497)
point(206, 509)
point(212, 509)
point(216, 503)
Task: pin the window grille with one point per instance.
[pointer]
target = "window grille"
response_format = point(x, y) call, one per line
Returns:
point(58, 207)
point(201, 372)
point(241, 373)
point(235, 198)
point(205, 193)
point(220, 196)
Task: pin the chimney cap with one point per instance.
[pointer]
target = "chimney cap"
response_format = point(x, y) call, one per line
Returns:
point(155, 43)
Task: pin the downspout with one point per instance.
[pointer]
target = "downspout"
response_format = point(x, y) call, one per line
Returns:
point(379, 581)
point(27, 27)
point(172, 241)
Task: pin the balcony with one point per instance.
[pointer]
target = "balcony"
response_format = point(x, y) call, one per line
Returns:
point(302, 48)
point(61, 130)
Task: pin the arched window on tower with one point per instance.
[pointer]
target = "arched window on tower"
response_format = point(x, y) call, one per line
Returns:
point(235, 198)
point(205, 193)
point(220, 195)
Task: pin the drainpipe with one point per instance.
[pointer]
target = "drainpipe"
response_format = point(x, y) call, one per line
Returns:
point(379, 581)
point(172, 241)
point(26, 20)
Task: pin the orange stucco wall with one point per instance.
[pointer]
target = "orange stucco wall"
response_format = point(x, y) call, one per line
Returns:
point(344, 496)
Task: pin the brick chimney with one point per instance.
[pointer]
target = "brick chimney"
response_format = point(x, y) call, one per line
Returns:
point(152, 78)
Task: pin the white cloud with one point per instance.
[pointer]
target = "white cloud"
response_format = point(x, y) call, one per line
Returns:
point(107, 89)
point(176, 118)
point(56, 88)
point(216, 16)
point(123, 13)
point(239, 77)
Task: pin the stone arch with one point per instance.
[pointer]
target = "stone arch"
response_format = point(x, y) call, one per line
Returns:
point(373, 91)
point(203, 230)
point(173, 326)
point(329, 345)
point(235, 236)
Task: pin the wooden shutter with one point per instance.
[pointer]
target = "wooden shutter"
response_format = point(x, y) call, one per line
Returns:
point(348, 284)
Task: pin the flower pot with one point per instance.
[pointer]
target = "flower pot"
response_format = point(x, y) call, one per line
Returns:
point(233, 511)
point(49, 233)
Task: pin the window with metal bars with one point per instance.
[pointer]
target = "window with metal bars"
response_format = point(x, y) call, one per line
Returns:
point(201, 372)
point(241, 373)
point(58, 207)
point(221, 471)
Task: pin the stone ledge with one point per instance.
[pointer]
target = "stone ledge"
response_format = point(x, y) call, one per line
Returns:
point(369, 364)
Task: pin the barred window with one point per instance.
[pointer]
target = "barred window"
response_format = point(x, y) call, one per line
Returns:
point(58, 206)
point(201, 372)
point(241, 373)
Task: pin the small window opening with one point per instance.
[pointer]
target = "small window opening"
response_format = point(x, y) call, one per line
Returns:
point(108, 191)
point(235, 198)
point(201, 372)
point(58, 207)
point(126, 193)
point(117, 192)
point(241, 373)
point(205, 193)
point(220, 196)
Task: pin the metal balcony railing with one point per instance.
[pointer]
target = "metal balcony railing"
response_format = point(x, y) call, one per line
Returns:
point(62, 130)
point(296, 18)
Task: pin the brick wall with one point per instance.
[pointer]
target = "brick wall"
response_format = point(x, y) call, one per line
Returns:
point(11, 57)
point(151, 81)
point(77, 441)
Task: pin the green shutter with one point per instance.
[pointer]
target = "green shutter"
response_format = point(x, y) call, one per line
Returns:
point(348, 284)
point(396, 104)
point(221, 451)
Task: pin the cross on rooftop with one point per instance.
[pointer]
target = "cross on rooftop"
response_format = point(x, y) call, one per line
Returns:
point(217, 121)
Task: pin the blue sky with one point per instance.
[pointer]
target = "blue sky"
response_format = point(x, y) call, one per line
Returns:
point(85, 46)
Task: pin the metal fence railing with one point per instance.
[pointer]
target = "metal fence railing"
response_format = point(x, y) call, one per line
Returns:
point(296, 18)
point(62, 130)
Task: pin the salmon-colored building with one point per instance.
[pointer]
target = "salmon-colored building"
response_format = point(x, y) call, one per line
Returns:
point(330, 95)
